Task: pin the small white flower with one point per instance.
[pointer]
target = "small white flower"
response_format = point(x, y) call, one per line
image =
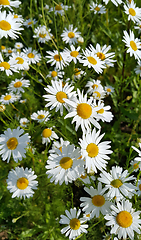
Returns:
point(56, 58)
point(40, 116)
point(10, 4)
point(48, 135)
point(109, 89)
point(70, 35)
point(42, 34)
point(18, 85)
point(97, 8)
point(73, 54)
point(23, 122)
point(133, 12)
point(28, 23)
point(32, 55)
point(59, 9)
point(8, 98)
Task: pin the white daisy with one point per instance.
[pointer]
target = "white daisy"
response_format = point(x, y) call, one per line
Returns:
point(18, 84)
point(10, 4)
point(138, 190)
point(58, 145)
point(29, 22)
point(124, 220)
point(90, 59)
point(8, 98)
point(75, 224)
point(21, 181)
point(73, 54)
point(117, 183)
point(2, 107)
point(65, 165)
point(78, 73)
point(133, 12)
point(103, 113)
point(11, 142)
point(32, 55)
point(138, 68)
point(48, 135)
point(133, 44)
point(23, 122)
point(3, 48)
point(9, 67)
point(22, 63)
point(96, 203)
point(80, 40)
point(70, 35)
point(99, 93)
point(18, 45)
point(116, 2)
point(136, 166)
point(139, 152)
point(97, 8)
point(56, 58)
point(59, 9)
point(9, 27)
point(94, 152)
point(55, 74)
point(82, 112)
point(40, 116)
point(138, 26)
point(109, 89)
point(57, 94)
point(42, 34)
point(9, 52)
point(93, 85)
point(18, 18)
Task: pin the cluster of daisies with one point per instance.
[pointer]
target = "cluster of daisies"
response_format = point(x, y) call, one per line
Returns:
point(87, 109)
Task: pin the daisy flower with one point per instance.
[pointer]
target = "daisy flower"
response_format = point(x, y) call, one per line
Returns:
point(18, 18)
point(9, 67)
point(116, 2)
point(21, 181)
point(135, 165)
point(58, 145)
point(55, 74)
point(41, 116)
point(103, 113)
point(18, 84)
point(99, 93)
point(2, 107)
point(133, 12)
point(3, 48)
point(91, 60)
point(86, 178)
point(75, 224)
point(8, 98)
point(124, 220)
point(109, 89)
point(22, 63)
point(94, 152)
point(73, 54)
point(32, 55)
point(138, 68)
point(93, 85)
point(133, 44)
point(18, 45)
point(138, 190)
point(139, 152)
point(9, 52)
point(138, 26)
point(78, 73)
point(23, 122)
point(9, 27)
point(42, 34)
point(11, 142)
point(97, 8)
point(59, 9)
point(117, 183)
point(57, 58)
point(29, 22)
point(57, 94)
point(82, 112)
point(70, 35)
point(9, 4)
point(96, 203)
point(80, 40)
point(65, 165)
point(48, 135)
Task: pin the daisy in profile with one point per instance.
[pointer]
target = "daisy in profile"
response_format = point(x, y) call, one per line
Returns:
point(98, 202)
point(59, 9)
point(115, 2)
point(18, 45)
point(70, 35)
point(43, 34)
point(103, 113)
point(21, 181)
point(32, 55)
point(82, 112)
point(18, 18)
point(65, 165)
point(9, 52)
point(136, 166)
point(22, 63)
point(8, 98)
point(56, 95)
point(57, 58)
point(78, 73)
point(9, 27)
point(139, 152)
point(124, 220)
point(2, 107)
point(10, 4)
point(93, 85)
point(11, 142)
point(90, 59)
point(75, 224)
point(99, 93)
point(24, 122)
point(109, 89)
point(18, 85)
point(117, 183)
point(41, 116)
point(133, 44)
point(97, 8)
point(3, 49)
point(9, 67)
point(133, 12)
point(59, 145)
point(94, 151)
point(48, 135)
point(73, 54)
point(55, 74)
point(29, 23)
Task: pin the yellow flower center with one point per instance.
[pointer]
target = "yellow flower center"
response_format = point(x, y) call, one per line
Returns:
point(92, 150)
point(42, 35)
point(22, 183)
point(6, 65)
point(41, 116)
point(116, 183)
point(18, 84)
point(97, 8)
point(66, 162)
point(98, 200)
point(71, 35)
point(100, 111)
point(58, 7)
point(74, 53)
point(54, 74)
point(77, 72)
point(46, 133)
point(124, 219)
point(84, 110)
point(7, 97)
point(95, 86)
point(132, 12)
point(57, 57)
point(88, 215)
point(133, 45)
point(97, 94)
point(140, 187)
point(108, 89)
point(20, 60)
point(60, 95)
point(2, 47)
point(74, 224)
point(30, 55)
point(4, 2)
point(29, 23)
point(24, 123)
point(9, 51)
point(101, 55)
point(92, 60)
point(84, 176)
point(4, 25)
point(15, 16)
point(12, 143)
point(136, 166)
